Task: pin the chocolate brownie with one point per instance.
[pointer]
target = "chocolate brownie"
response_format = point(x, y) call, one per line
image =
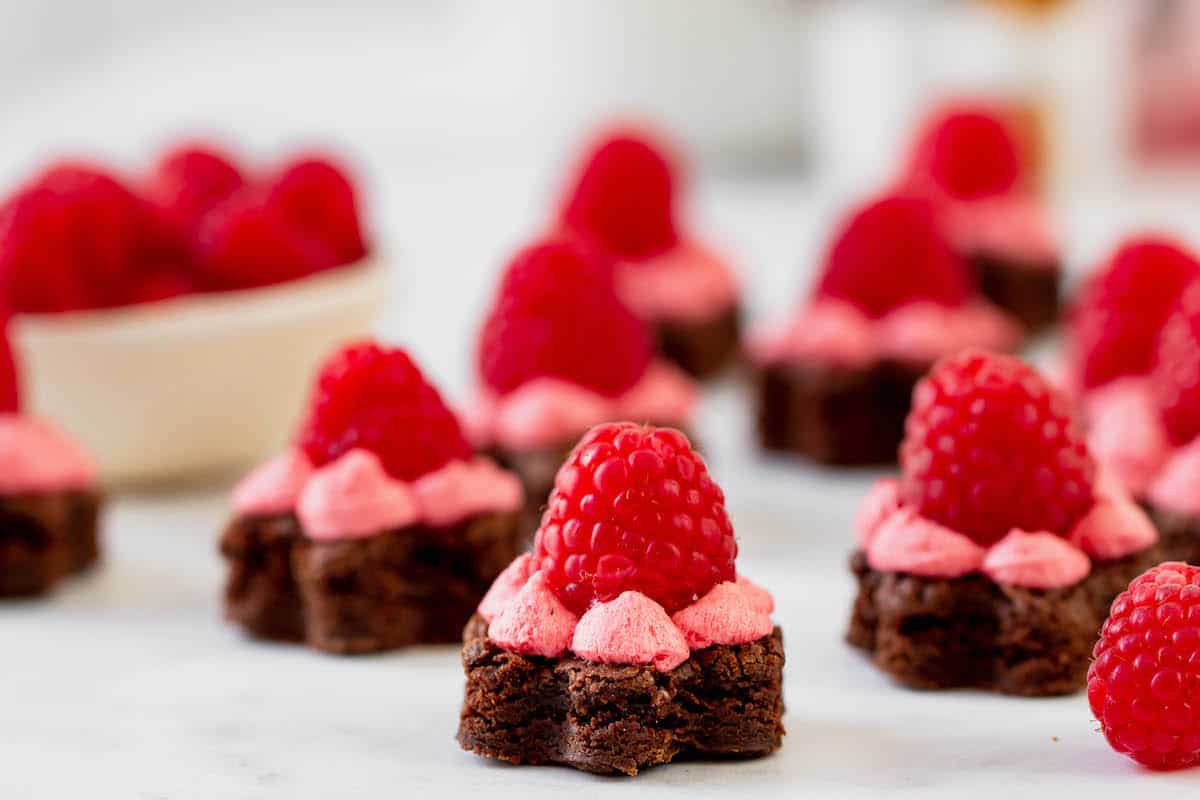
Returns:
point(703, 348)
point(723, 702)
point(413, 585)
point(833, 414)
point(44, 537)
point(1028, 292)
point(970, 632)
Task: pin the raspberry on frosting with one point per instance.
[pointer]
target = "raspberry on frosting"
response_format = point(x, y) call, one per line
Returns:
point(1143, 683)
point(557, 314)
point(990, 446)
point(1122, 308)
point(623, 196)
point(968, 152)
point(891, 252)
point(1175, 379)
point(634, 508)
point(374, 397)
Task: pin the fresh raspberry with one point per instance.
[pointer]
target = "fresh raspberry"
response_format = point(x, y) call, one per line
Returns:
point(989, 446)
point(1175, 379)
point(374, 397)
point(162, 283)
point(315, 195)
point(891, 252)
point(10, 394)
point(246, 242)
point(633, 508)
point(1144, 684)
point(189, 180)
point(623, 197)
point(1123, 307)
point(557, 314)
point(74, 238)
point(968, 152)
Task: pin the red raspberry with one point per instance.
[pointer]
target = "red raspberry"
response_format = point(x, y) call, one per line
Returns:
point(316, 196)
point(989, 446)
point(370, 396)
point(891, 252)
point(245, 242)
point(623, 197)
point(1123, 307)
point(633, 508)
point(1144, 684)
point(1175, 379)
point(189, 180)
point(557, 314)
point(10, 394)
point(969, 152)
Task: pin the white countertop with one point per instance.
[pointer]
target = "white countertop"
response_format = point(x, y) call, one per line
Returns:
point(127, 684)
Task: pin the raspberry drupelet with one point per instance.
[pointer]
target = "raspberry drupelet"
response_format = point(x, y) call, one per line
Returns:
point(632, 590)
point(991, 560)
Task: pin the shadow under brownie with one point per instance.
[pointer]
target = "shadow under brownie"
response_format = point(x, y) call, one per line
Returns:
point(414, 585)
point(725, 701)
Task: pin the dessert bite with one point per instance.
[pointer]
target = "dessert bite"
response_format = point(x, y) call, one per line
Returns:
point(49, 500)
point(835, 382)
point(379, 527)
point(558, 353)
point(627, 638)
point(1142, 683)
point(992, 560)
point(624, 198)
point(1135, 336)
point(971, 160)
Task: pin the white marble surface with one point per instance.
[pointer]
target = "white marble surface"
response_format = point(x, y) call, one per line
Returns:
point(126, 684)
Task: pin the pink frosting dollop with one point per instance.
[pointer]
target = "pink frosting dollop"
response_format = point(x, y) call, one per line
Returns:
point(274, 486)
point(1177, 486)
point(1015, 225)
point(354, 497)
point(881, 502)
point(1125, 432)
point(548, 411)
point(1038, 560)
point(728, 614)
point(534, 622)
point(38, 456)
point(687, 283)
point(835, 332)
point(1113, 528)
point(908, 542)
point(631, 629)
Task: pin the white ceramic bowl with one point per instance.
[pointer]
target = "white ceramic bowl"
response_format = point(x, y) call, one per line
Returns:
point(196, 385)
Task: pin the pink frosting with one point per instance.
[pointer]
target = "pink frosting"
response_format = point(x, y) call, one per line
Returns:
point(1015, 225)
point(880, 503)
point(836, 332)
point(687, 283)
point(37, 456)
point(1177, 487)
point(1125, 433)
point(273, 487)
point(525, 616)
point(632, 629)
point(1115, 527)
point(534, 622)
point(354, 497)
point(547, 411)
point(728, 614)
point(1040, 560)
point(907, 542)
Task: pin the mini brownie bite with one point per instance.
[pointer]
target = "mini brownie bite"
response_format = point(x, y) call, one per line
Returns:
point(626, 638)
point(1135, 336)
point(379, 528)
point(559, 353)
point(993, 559)
point(835, 382)
point(970, 159)
point(624, 198)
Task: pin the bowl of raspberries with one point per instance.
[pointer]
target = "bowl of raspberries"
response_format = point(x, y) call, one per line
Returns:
point(170, 319)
